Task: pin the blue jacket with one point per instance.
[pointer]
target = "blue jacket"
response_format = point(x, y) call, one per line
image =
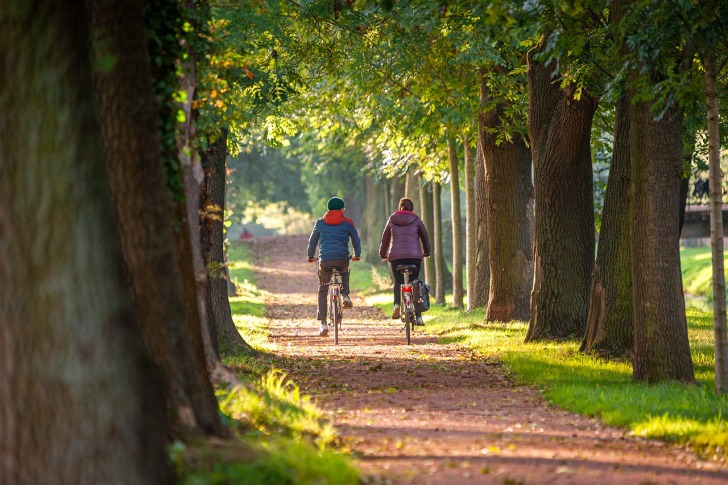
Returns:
point(332, 233)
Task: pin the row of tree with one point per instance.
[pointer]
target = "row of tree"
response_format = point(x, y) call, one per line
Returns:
point(415, 88)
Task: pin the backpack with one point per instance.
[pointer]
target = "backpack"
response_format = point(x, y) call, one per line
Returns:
point(421, 294)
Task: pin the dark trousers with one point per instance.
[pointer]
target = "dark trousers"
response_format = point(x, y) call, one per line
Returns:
point(324, 274)
point(399, 277)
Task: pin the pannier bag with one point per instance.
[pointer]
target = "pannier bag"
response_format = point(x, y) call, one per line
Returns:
point(421, 293)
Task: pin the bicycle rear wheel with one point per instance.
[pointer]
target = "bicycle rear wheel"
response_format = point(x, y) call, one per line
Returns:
point(408, 319)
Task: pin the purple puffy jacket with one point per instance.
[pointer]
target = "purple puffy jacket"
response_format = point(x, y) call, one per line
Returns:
point(404, 230)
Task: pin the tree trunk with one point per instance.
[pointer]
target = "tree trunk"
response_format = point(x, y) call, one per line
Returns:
point(143, 208)
point(524, 216)
point(457, 235)
point(661, 348)
point(79, 401)
point(411, 187)
point(398, 191)
point(470, 223)
point(716, 228)
point(610, 319)
point(375, 217)
point(437, 252)
point(560, 131)
point(212, 202)
point(482, 260)
point(187, 236)
point(427, 219)
point(500, 164)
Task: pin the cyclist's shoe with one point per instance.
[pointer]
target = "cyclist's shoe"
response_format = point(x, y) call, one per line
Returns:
point(324, 330)
point(419, 322)
point(395, 312)
point(346, 301)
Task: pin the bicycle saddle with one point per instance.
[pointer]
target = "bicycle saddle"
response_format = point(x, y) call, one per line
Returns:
point(410, 268)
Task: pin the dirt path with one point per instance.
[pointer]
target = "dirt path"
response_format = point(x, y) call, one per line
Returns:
point(434, 414)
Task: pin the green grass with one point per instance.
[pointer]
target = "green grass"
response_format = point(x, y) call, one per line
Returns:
point(282, 438)
point(367, 279)
point(592, 386)
point(697, 272)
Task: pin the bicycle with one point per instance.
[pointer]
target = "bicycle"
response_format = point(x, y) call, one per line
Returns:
point(407, 301)
point(334, 299)
point(334, 306)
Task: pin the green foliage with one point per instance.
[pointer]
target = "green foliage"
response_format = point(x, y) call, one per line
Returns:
point(261, 173)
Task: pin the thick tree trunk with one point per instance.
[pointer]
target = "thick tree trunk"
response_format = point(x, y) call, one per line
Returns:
point(226, 337)
point(500, 164)
point(437, 252)
point(426, 216)
point(524, 216)
point(661, 348)
point(457, 234)
point(560, 131)
point(610, 319)
point(79, 402)
point(470, 223)
point(143, 208)
point(716, 228)
point(482, 260)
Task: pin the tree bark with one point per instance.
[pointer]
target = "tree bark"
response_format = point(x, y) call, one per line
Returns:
point(560, 131)
point(398, 191)
point(440, 268)
point(482, 259)
point(457, 235)
point(470, 223)
point(427, 219)
point(524, 216)
point(610, 319)
point(79, 401)
point(226, 337)
point(374, 219)
point(661, 347)
point(143, 207)
point(500, 164)
point(716, 228)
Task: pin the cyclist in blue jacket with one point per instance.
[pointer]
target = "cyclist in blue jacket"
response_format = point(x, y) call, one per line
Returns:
point(332, 234)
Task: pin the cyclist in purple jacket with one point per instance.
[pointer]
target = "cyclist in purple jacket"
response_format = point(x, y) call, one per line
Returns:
point(401, 245)
point(332, 234)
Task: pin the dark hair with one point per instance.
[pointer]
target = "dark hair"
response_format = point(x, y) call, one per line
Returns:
point(406, 204)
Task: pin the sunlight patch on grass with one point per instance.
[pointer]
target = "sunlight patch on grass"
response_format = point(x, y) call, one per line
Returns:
point(284, 437)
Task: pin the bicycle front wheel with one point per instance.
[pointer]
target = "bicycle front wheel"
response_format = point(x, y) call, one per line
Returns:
point(337, 322)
